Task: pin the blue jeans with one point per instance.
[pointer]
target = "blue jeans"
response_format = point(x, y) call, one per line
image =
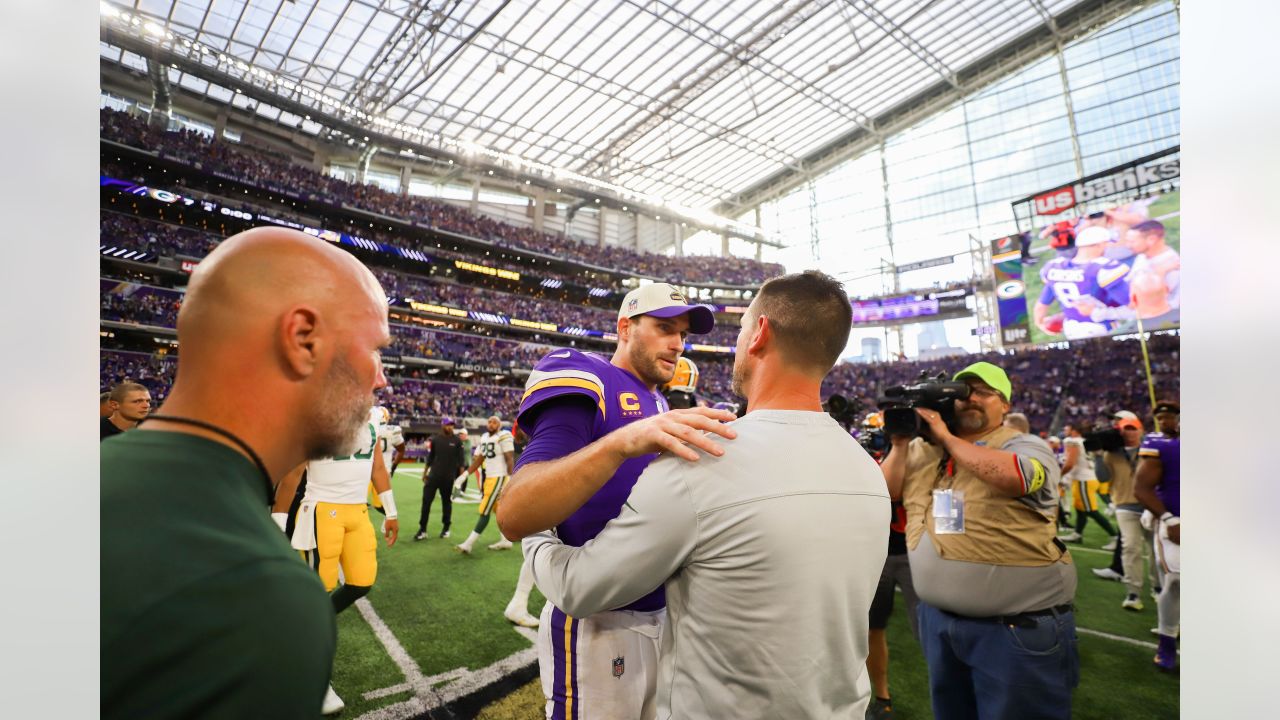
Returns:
point(994, 671)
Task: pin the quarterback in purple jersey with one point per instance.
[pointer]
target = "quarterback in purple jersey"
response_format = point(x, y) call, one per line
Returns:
point(594, 424)
point(1081, 283)
point(1159, 488)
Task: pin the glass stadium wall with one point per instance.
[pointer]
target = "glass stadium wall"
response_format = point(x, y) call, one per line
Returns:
point(926, 190)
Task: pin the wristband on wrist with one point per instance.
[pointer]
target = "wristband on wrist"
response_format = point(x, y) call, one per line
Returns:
point(1173, 521)
point(1166, 515)
point(388, 504)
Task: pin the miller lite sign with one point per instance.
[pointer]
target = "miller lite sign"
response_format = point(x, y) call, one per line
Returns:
point(1065, 198)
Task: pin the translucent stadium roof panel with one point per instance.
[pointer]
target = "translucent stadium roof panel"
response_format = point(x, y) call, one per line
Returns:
point(690, 101)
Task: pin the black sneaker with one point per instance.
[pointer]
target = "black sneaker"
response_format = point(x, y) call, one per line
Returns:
point(444, 533)
point(880, 709)
point(420, 536)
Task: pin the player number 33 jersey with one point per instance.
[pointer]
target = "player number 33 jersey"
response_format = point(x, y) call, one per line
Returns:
point(493, 448)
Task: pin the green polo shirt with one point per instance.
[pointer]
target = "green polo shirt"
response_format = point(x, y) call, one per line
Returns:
point(206, 610)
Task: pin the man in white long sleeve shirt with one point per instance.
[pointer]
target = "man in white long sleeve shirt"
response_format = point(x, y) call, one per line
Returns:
point(769, 568)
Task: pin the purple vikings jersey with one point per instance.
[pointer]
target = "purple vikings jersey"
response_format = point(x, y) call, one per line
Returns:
point(1067, 282)
point(620, 398)
point(1166, 449)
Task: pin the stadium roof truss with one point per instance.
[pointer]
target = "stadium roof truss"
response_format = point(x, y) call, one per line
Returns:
point(695, 104)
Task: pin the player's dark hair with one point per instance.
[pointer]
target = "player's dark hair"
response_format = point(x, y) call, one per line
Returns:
point(119, 392)
point(1150, 226)
point(810, 316)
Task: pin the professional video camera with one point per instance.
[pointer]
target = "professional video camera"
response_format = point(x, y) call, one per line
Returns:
point(871, 436)
point(1106, 440)
point(937, 393)
point(842, 410)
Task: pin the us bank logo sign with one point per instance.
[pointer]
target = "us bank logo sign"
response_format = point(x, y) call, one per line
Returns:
point(1065, 198)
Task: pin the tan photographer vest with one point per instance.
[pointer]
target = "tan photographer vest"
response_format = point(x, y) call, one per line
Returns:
point(999, 530)
point(1122, 477)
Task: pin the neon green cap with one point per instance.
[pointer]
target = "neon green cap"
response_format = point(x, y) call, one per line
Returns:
point(989, 374)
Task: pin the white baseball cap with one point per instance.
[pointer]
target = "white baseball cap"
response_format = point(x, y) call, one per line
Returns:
point(1093, 236)
point(1124, 415)
point(666, 301)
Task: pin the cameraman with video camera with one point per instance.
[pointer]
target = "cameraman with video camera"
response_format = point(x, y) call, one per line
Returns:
point(995, 583)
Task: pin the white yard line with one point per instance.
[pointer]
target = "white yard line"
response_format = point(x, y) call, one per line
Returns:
point(384, 692)
point(456, 683)
point(412, 707)
point(1117, 638)
point(1089, 550)
point(460, 681)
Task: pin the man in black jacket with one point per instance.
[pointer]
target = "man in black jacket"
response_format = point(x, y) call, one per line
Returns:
point(445, 461)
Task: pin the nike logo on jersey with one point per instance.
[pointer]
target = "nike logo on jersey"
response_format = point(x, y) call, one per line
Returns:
point(564, 354)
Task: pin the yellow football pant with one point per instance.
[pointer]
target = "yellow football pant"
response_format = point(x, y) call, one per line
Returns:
point(344, 536)
point(492, 493)
point(1085, 495)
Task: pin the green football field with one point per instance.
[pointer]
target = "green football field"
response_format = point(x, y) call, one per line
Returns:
point(432, 631)
point(1166, 210)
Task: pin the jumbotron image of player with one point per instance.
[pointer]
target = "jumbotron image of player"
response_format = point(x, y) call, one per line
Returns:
point(594, 425)
point(1154, 282)
point(331, 522)
point(1079, 284)
point(681, 390)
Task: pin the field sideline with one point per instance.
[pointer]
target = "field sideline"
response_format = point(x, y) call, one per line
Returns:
point(431, 632)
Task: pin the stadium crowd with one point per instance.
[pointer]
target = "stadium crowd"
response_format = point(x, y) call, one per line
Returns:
point(159, 308)
point(144, 306)
point(152, 370)
point(278, 174)
point(154, 237)
point(170, 240)
point(1107, 371)
point(1048, 379)
point(471, 349)
point(467, 297)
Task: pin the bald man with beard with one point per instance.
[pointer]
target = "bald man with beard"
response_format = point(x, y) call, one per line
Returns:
point(206, 611)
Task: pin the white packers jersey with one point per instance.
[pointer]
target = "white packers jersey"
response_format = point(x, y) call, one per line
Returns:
point(390, 437)
point(492, 448)
point(345, 480)
point(1083, 469)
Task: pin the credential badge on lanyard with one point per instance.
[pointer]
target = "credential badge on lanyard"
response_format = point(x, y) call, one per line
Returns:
point(948, 512)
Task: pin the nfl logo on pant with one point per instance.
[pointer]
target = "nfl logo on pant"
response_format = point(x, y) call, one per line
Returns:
point(619, 666)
